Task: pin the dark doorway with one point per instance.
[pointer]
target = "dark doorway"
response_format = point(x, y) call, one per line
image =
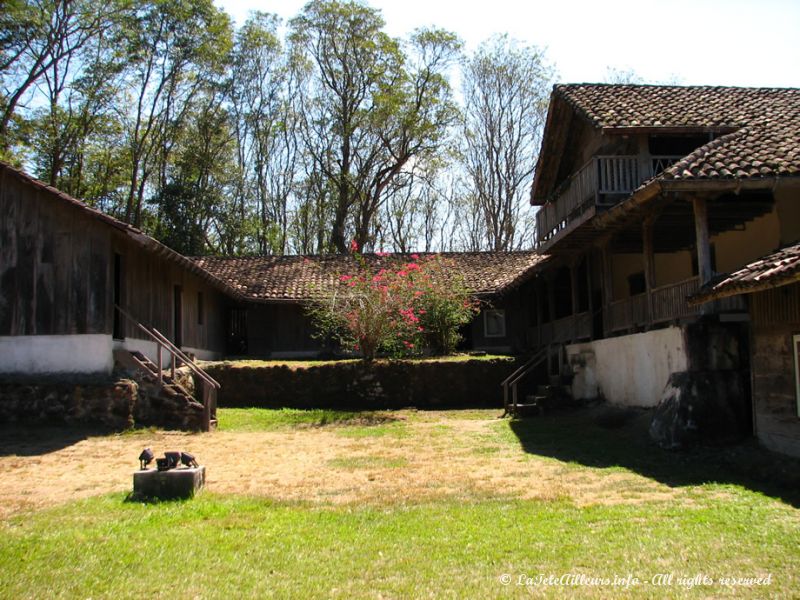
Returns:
point(117, 332)
point(177, 319)
point(237, 332)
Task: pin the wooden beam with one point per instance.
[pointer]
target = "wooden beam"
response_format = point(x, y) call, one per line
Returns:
point(649, 263)
point(702, 239)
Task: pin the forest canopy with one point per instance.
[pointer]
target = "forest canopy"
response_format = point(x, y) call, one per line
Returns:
point(274, 137)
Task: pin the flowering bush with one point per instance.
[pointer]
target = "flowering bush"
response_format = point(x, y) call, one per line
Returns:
point(399, 309)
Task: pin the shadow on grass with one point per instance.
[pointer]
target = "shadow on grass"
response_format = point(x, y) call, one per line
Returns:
point(601, 437)
point(37, 440)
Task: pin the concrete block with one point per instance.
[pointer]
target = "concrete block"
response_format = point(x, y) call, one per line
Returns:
point(165, 485)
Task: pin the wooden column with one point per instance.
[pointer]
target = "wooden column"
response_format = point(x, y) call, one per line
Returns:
point(539, 320)
point(589, 302)
point(607, 283)
point(573, 284)
point(701, 239)
point(649, 264)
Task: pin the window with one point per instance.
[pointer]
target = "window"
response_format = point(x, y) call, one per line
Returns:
point(200, 308)
point(494, 323)
point(796, 346)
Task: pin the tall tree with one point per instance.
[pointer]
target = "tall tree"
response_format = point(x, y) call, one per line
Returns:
point(37, 37)
point(175, 46)
point(261, 96)
point(506, 89)
point(370, 106)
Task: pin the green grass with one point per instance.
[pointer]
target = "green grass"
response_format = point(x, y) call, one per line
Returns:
point(257, 419)
point(233, 547)
point(729, 521)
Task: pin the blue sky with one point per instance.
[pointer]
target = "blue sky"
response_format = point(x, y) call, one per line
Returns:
point(731, 42)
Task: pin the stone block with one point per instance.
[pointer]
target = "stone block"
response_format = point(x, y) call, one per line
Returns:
point(167, 485)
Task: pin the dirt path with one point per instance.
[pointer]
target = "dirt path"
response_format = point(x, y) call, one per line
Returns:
point(440, 456)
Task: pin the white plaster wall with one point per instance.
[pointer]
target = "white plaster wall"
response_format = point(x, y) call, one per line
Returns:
point(150, 350)
point(630, 370)
point(41, 354)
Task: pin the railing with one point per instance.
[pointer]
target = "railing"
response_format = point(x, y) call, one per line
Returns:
point(668, 304)
point(626, 314)
point(208, 384)
point(603, 181)
point(567, 329)
point(510, 382)
point(669, 301)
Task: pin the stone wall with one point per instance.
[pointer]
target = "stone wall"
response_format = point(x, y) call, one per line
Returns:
point(357, 385)
point(116, 405)
point(109, 404)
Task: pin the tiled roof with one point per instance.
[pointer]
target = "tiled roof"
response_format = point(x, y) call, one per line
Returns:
point(760, 127)
point(300, 278)
point(611, 106)
point(771, 271)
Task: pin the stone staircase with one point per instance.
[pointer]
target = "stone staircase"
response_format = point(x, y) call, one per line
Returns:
point(164, 400)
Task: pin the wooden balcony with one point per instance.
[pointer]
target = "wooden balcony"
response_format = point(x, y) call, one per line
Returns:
point(668, 304)
point(561, 331)
point(599, 184)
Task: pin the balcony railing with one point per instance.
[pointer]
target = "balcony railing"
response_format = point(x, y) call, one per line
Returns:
point(669, 304)
point(560, 331)
point(602, 182)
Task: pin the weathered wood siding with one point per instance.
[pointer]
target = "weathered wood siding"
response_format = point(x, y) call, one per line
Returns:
point(775, 318)
point(57, 275)
point(148, 294)
point(54, 265)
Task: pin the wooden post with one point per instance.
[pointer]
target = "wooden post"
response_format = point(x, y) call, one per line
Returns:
point(573, 284)
point(160, 365)
point(589, 302)
point(539, 319)
point(608, 285)
point(649, 264)
point(701, 239)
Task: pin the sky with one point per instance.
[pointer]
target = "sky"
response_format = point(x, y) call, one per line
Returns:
point(699, 42)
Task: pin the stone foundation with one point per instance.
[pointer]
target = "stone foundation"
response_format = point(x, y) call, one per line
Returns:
point(358, 385)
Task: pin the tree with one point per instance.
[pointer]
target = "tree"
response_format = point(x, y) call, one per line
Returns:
point(38, 37)
point(175, 47)
point(506, 89)
point(261, 96)
point(370, 106)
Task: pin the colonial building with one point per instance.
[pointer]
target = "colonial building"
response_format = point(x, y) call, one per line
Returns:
point(645, 192)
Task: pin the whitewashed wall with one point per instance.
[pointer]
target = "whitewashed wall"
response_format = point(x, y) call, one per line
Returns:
point(630, 370)
point(42, 354)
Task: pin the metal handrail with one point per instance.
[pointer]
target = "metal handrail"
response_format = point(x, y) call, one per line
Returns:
point(161, 340)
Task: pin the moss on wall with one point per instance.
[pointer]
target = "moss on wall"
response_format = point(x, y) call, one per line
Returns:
point(357, 385)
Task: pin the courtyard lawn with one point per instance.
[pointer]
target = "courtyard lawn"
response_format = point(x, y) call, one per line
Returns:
point(569, 504)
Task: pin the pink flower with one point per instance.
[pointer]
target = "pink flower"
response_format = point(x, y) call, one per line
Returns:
point(382, 254)
point(345, 278)
point(402, 273)
point(353, 246)
point(412, 266)
point(415, 256)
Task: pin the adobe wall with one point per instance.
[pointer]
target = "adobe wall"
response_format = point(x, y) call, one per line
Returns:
point(357, 385)
point(630, 370)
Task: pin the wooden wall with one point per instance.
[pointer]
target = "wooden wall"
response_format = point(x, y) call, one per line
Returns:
point(57, 274)
point(148, 294)
point(54, 265)
point(775, 318)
